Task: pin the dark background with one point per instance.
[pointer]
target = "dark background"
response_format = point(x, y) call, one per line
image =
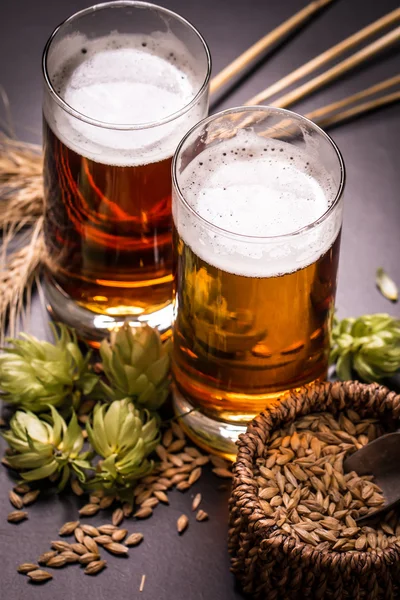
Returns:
point(196, 566)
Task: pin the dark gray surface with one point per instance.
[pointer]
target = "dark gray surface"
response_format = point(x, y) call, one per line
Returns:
point(196, 566)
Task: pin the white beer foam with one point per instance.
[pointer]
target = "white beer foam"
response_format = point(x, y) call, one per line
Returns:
point(124, 79)
point(251, 187)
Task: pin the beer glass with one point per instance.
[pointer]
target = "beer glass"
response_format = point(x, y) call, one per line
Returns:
point(257, 210)
point(123, 82)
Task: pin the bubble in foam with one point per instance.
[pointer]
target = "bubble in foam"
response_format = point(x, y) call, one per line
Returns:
point(264, 193)
point(125, 79)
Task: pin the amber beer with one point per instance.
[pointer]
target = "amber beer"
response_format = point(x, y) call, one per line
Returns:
point(254, 299)
point(108, 231)
point(116, 106)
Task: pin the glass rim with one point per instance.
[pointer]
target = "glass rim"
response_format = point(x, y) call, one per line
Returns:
point(120, 126)
point(255, 238)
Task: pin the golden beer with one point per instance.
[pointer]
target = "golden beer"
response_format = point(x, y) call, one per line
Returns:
point(124, 82)
point(240, 340)
point(256, 250)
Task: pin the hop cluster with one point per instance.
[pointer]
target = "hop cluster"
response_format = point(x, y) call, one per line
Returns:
point(35, 374)
point(46, 448)
point(136, 364)
point(123, 441)
point(369, 345)
point(123, 428)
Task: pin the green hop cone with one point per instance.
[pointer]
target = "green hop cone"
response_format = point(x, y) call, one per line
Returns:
point(45, 449)
point(137, 364)
point(369, 345)
point(35, 374)
point(123, 441)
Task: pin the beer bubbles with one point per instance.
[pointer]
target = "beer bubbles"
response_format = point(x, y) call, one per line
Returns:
point(125, 80)
point(250, 187)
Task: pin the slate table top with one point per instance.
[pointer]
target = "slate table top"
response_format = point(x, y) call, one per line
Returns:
point(196, 565)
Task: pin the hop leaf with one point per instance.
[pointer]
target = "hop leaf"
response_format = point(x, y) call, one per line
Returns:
point(369, 345)
point(124, 441)
point(35, 374)
point(46, 448)
point(137, 364)
point(386, 285)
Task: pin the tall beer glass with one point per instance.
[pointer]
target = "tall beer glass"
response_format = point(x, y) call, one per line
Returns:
point(257, 211)
point(123, 82)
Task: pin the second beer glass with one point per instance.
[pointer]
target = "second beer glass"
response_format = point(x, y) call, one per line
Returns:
point(123, 82)
point(257, 210)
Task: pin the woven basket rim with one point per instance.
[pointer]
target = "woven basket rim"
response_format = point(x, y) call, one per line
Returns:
point(251, 443)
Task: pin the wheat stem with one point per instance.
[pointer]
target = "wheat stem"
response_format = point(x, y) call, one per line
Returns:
point(21, 183)
point(17, 274)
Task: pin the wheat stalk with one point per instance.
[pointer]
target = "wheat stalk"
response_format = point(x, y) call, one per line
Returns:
point(21, 205)
point(326, 57)
point(21, 183)
point(265, 43)
point(18, 272)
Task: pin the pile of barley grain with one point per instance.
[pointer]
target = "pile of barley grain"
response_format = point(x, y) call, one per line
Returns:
point(305, 493)
point(180, 467)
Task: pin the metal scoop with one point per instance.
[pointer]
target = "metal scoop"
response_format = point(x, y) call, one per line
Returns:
point(380, 458)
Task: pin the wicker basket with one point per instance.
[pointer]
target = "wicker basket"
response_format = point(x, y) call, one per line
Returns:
point(280, 567)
